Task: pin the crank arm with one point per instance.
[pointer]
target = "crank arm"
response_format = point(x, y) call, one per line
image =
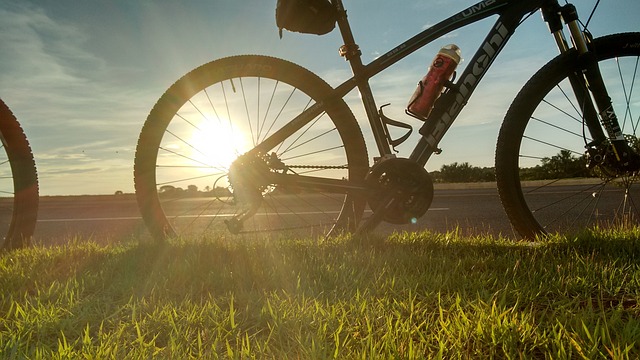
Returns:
point(376, 218)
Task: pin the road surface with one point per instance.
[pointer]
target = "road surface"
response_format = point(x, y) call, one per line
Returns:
point(109, 218)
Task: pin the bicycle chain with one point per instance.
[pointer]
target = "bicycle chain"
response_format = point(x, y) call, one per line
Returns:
point(323, 167)
point(326, 167)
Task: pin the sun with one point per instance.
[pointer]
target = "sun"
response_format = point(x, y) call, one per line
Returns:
point(217, 144)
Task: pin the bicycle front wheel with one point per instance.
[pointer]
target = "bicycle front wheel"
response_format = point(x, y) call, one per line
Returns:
point(18, 184)
point(546, 181)
point(212, 116)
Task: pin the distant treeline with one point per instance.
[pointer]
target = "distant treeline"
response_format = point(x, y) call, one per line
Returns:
point(192, 191)
point(563, 165)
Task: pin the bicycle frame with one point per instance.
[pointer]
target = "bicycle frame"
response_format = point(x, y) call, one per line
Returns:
point(448, 106)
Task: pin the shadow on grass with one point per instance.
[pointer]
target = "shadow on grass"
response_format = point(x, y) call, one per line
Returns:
point(84, 283)
point(340, 267)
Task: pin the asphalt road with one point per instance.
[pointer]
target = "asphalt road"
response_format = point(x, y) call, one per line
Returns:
point(104, 218)
point(109, 218)
point(475, 211)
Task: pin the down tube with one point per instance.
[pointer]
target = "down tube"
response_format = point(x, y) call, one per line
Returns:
point(450, 104)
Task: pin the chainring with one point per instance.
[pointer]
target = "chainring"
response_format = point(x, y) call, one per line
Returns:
point(409, 183)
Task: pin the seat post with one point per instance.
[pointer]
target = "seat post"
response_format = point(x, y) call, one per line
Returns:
point(351, 52)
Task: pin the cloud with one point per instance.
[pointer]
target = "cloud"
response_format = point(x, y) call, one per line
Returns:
point(82, 76)
point(66, 100)
point(38, 52)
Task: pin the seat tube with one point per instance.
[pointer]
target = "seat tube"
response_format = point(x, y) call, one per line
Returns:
point(351, 52)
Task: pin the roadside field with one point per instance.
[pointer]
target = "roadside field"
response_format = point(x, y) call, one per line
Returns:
point(411, 296)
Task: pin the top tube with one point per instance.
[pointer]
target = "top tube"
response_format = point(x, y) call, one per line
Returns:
point(511, 9)
point(511, 13)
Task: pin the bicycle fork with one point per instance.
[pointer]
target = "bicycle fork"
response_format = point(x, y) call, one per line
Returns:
point(590, 91)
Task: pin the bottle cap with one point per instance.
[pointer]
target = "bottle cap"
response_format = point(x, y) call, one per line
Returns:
point(451, 51)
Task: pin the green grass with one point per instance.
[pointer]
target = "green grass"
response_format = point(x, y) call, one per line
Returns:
point(408, 296)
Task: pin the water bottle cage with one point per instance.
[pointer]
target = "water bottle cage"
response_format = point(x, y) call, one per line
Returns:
point(421, 86)
point(390, 122)
point(448, 85)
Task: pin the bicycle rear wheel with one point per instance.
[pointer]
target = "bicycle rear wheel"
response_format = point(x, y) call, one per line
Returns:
point(541, 165)
point(18, 184)
point(212, 116)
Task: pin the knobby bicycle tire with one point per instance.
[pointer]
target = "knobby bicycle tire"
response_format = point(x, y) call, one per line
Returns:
point(19, 184)
point(218, 112)
point(541, 172)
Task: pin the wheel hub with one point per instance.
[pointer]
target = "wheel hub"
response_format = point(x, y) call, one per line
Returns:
point(248, 180)
point(611, 163)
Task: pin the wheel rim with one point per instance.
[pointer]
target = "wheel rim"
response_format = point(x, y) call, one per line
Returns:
point(7, 193)
point(570, 197)
point(225, 120)
point(18, 183)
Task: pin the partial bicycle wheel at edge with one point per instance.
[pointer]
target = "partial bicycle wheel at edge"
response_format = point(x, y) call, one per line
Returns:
point(18, 184)
point(222, 110)
point(546, 181)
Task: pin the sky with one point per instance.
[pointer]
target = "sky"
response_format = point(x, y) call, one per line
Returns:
point(82, 76)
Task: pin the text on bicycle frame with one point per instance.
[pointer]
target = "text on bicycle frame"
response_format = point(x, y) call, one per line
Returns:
point(489, 50)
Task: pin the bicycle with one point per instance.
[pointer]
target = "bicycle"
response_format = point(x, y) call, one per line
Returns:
point(18, 184)
point(278, 149)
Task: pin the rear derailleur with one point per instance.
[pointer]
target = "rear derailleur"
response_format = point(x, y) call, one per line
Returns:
point(249, 180)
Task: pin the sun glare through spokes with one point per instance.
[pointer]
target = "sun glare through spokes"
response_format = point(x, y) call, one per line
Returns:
point(217, 145)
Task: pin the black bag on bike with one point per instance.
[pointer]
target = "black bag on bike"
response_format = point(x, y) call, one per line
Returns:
point(306, 16)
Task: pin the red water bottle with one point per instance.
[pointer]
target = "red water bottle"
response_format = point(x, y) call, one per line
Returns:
point(432, 84)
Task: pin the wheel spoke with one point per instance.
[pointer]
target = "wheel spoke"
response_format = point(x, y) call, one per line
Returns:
point(556, 177)
point(215, 180)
